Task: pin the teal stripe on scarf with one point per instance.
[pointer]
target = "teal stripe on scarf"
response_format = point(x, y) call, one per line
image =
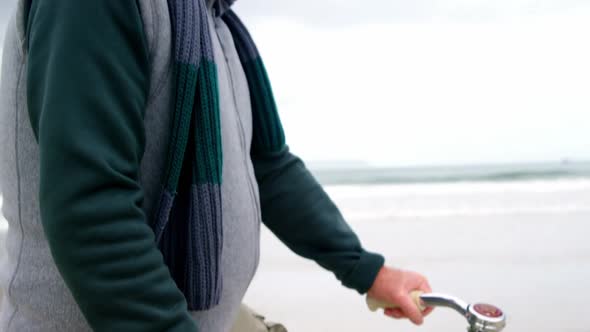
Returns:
point(186, 83)
point(268, 132)
point(208, 161)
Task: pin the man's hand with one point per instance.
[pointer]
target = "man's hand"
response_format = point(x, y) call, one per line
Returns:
point(394, 286)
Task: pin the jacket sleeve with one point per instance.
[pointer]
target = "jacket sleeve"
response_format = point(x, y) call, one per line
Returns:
point(87, 84)
point(300, 213)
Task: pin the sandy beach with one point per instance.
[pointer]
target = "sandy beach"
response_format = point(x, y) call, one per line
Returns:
point(521, 246)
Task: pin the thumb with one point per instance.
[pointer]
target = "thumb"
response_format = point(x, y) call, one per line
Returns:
point(410, 309)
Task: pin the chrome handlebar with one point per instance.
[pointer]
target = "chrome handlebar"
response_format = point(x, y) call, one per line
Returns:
point(481, 317)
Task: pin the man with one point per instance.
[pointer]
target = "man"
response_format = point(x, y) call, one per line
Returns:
point(140, 151)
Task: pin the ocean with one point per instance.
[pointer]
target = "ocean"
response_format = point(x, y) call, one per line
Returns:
point(512, 235)
point(358, 173)
point(378, 194)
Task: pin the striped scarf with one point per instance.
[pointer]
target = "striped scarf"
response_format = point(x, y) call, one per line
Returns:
point(188, 222)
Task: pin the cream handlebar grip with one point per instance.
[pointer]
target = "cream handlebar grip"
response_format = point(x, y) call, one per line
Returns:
point(374, 304)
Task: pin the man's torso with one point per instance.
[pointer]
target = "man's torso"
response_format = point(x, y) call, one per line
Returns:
point(36, 297)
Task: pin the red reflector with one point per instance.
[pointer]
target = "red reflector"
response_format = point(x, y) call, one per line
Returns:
point(488, 310)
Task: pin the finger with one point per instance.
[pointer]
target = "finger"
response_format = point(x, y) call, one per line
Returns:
point(395, 313)
point(427, 311)
point(410, 309)
point(398, 312)
point(425, 286)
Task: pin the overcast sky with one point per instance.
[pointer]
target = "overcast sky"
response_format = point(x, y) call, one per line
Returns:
point(423, 82)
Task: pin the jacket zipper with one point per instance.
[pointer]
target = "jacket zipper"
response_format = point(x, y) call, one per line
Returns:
point(246, 155)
